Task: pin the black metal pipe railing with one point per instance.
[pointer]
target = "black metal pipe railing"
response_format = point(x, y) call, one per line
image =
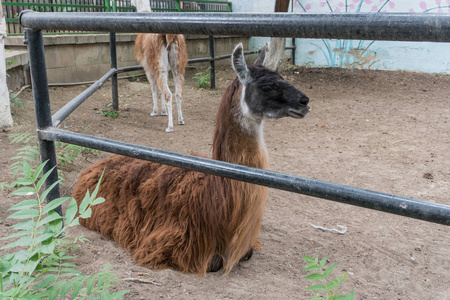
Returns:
point(113, 60)
point(366, 26)
point(357, 26)
point(408, 207)
point(212, 67)
point(41, 98)
point(67, 109)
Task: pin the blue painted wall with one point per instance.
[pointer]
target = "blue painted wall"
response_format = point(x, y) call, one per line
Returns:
point(380, 55)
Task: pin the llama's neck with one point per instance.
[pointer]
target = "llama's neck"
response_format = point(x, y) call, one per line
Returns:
point(238, 136)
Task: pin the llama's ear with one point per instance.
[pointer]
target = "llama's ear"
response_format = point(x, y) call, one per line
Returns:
point(239, 64)
point(262, 55)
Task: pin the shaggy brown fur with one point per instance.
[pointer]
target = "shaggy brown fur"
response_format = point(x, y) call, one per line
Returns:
point(174, 218)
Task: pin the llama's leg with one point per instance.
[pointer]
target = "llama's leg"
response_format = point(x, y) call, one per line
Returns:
point(167, 95)
point(179, 80)
point(163, 106)
point(154, 87)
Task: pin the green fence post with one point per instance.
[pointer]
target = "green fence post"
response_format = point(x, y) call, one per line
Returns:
point(178, 5)
point(230, 9)
point(108, 5)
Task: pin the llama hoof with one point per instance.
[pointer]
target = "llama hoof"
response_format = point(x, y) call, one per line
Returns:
point(216, 263)
point(169, 129)
point(164, 113)
point(181, 122)
point(154, 114)
point(247, 255)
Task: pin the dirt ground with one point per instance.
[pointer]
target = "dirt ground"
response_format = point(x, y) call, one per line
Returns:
point(383, 131)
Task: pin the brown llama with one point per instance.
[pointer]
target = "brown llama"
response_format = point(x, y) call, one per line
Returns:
point(158, 53)
point(169, 217)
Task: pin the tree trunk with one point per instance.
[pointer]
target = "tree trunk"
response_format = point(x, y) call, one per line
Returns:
point(277, 45)
point(282, 6)
point(5, 109)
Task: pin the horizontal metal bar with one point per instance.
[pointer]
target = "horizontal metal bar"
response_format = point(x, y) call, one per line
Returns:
point(129, 69)
point(366, 26)
point(418, 209)
point(195, 60)
point(67, 109)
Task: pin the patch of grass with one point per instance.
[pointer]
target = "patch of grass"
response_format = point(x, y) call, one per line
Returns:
point(109, 114)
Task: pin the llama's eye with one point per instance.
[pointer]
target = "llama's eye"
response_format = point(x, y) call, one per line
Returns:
point(266, 88)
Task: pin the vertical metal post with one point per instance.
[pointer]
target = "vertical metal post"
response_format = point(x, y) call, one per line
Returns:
point(212, 65)
point(108, 6)
point(113, 53)
point(294, 48)
point(178, 5)
point(42, 108)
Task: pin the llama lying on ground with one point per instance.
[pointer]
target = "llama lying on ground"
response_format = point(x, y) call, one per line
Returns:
point(159, 53)
point(189, 221)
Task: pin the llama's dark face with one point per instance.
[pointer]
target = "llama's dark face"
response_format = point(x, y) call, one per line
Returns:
point(269, 95)
point(266, 93)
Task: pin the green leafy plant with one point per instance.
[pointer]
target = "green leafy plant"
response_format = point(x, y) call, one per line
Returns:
point(203, 78)
point(328, 287)
point(109, 114)
point(10, 63)
point(15, 102)
point(40, 268)
point(66, 154)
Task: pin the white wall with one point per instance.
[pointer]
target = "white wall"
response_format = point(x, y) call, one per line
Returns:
point(382, 55)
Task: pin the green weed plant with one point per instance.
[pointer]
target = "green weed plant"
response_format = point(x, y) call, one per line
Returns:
point(203, 78)
point(328, 287)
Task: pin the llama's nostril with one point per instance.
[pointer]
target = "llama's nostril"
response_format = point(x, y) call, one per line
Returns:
point(304, 100)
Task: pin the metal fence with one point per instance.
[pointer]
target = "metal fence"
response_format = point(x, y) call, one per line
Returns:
point(12, 8)
point(190, 6)
point(403, 27)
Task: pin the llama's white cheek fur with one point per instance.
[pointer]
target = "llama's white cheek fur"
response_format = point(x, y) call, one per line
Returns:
point(244, 107)
point(248, 121)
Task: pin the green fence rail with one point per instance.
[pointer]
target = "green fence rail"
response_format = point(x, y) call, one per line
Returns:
point(12, 8)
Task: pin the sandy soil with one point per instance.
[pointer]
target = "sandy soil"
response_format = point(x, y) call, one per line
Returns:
point(384, 131)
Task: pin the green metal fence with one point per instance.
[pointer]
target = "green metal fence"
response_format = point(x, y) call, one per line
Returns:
point(12, 8)
point(191, 6)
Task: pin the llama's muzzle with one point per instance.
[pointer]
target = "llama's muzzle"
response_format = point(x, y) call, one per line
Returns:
point(299, 113)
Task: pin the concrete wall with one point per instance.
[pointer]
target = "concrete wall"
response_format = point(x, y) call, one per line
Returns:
point(79, 58)
point(382, 55)
point(17, 68)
